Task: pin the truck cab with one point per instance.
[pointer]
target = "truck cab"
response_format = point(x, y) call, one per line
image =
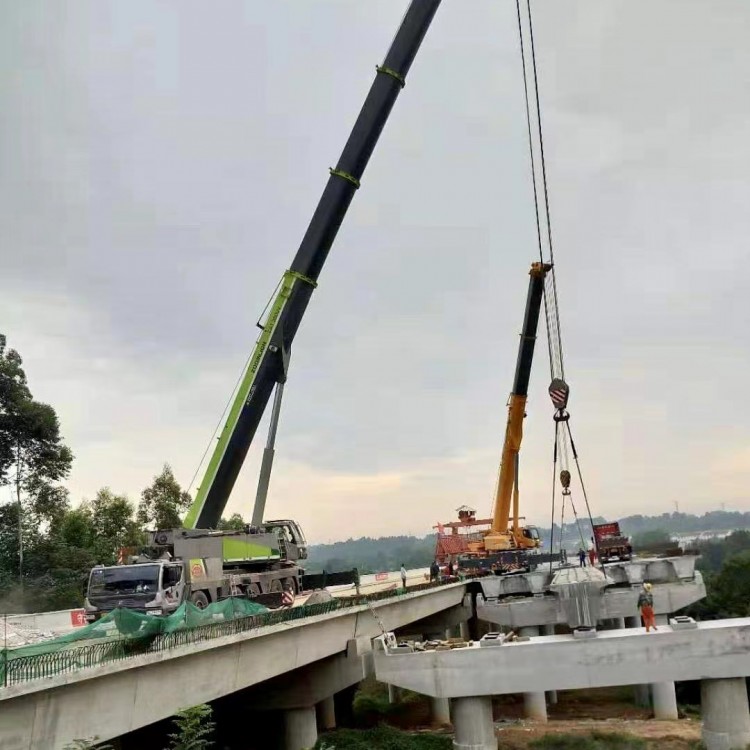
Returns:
point(291, 536)
point(156, 587)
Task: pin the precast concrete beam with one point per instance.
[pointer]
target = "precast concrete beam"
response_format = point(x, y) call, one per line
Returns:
point(717, 649)
point(726, 720)
point(472, 724)
point(448, 619)
point(615, 603)
point(300, 728)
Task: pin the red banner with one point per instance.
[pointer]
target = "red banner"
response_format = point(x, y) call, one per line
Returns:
point(381, 576)
point(78, 618)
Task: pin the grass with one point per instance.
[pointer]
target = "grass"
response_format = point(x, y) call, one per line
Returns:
point(383, 738)
point(592, 741)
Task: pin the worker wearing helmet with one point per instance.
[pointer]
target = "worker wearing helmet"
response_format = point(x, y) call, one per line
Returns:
point(646, 605)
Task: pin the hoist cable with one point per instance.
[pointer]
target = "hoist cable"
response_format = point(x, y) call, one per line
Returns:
point(533, 175)
point(544, 184)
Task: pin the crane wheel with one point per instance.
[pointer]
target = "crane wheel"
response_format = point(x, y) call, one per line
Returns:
point(275, 586)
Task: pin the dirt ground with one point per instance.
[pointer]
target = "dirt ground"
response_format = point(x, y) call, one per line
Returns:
point(580, 712)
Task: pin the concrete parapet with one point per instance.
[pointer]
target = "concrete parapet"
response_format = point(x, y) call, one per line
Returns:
point(726, 720)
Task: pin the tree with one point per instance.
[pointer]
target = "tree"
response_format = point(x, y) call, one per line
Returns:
point(163, 503)
point(193, 729)
point(652, 541)
point(729, 592)
point(33, 457)
point(235, 522)
point(113, 525)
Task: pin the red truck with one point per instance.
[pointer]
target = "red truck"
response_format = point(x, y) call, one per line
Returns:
point(611, 543)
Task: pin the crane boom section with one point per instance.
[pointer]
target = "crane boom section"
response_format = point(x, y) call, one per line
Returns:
point(266, 365)
point(517, 403)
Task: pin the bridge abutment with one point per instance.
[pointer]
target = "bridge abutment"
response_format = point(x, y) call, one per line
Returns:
point(726, 718)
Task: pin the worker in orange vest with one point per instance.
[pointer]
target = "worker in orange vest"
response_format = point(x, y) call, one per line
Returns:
point(646, 605)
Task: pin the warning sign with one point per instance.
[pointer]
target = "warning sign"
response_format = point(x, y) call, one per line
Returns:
point(78, 618)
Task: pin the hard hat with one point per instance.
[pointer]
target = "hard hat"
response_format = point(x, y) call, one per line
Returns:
point(647, 586)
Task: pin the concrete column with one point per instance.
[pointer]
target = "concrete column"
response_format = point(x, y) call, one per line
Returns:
point(534, 704)
point(726, 719)
point(641, 693)
point(449, 633)
point(327, 713)
point(662, 693)
point(551, 694)
point(392, 694)
point(472, 723)
point(465, 631)
point(440, 711)
point(665, 700)
point(300, 728)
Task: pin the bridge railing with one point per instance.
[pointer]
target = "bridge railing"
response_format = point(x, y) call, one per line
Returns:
point(18, 667)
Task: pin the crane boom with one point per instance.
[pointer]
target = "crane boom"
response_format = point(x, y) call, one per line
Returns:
point(265, 367)
point(498, 538)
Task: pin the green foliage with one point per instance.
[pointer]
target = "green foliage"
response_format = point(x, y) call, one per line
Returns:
point(714, 553)
point(591, 741)
point(234, 522)
point(87, 745)
point(193, 729)
point(383, 738)
point(163, 503)
point(654, 539)
point(372, 555)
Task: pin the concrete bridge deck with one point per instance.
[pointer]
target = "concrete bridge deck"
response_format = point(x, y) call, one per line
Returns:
point(717, 653)
point(112, 699)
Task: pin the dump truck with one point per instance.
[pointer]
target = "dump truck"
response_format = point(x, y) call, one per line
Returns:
point(611, 543)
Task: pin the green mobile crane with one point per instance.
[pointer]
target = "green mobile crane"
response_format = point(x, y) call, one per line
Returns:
point(197, 562)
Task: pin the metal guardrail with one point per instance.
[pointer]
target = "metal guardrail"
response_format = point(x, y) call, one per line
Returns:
point(24, 668)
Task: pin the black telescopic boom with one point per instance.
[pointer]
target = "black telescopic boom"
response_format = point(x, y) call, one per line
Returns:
point(308, 262)
point(528, 333)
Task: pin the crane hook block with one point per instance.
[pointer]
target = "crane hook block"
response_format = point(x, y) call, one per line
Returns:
point(565, 478)
point(559, 392)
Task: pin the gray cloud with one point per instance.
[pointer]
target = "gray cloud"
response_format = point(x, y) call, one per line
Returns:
point(160, 164)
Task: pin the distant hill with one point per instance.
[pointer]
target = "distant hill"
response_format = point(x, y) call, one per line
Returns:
point(388, 553)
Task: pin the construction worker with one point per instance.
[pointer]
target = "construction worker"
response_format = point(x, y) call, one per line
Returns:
point(646, 605)
point(592, 552)
point(403, 575)
point(434, 571)
point(581, 557)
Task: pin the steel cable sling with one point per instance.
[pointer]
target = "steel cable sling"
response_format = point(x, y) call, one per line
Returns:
point(559, 391)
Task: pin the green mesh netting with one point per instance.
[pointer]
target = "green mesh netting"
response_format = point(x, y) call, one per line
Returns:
point(124, 624)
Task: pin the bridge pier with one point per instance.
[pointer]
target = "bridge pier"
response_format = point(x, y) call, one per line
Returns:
point(327, 713)
point(663, 693)
point(300, 728)
point(641, 693)
point(726, 718)
point(440, 711)
point(534, 704)
point(472, 723)
point(551, 694)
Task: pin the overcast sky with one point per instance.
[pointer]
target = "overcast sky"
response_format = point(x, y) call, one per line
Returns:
point(161, 160)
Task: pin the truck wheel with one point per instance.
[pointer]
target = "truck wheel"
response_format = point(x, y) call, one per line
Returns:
point(199, 599)
point(291, 584)
point(275, 586)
